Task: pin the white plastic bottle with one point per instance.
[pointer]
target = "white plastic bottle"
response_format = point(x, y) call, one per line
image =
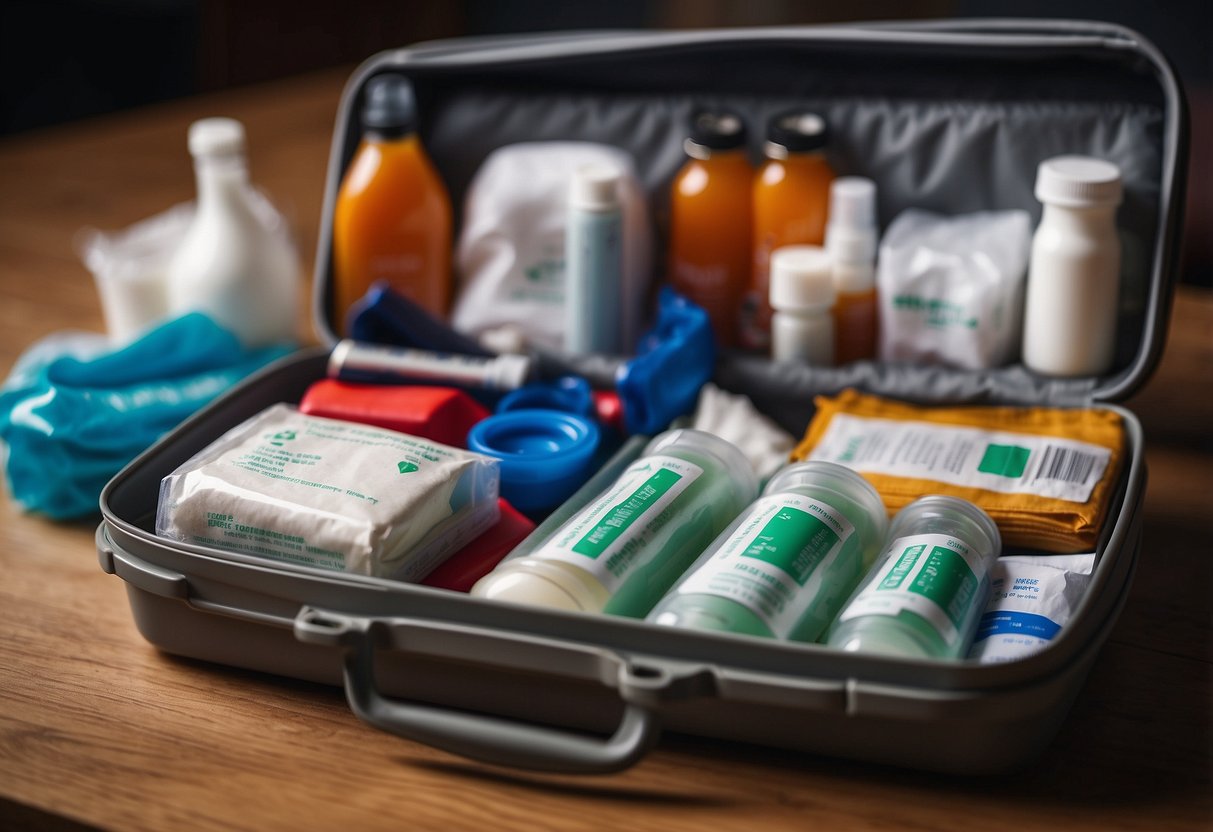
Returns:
point(231, 264)
point(851, 242)
point(1074, 273)
point(802, 295)
point(594, 262)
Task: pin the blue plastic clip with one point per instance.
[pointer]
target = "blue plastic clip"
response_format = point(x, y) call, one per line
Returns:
point(674, 360)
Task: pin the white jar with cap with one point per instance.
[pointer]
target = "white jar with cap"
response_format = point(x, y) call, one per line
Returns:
point(231, 264)
point(802, 295)
point(1074, 273)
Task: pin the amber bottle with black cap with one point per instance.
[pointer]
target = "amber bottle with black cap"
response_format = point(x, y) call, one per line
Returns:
point(392, 219)
point(710, 246)
point(791, 202)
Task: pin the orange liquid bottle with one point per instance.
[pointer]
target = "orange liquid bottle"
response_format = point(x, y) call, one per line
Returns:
point(710, 225)
point(855, 326)
point(791, 197)
point(392, 219)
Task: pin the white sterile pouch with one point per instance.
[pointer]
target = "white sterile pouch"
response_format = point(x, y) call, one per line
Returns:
point(510, 256)
point(330, 494)
point(1032, 598)
point(951, 288)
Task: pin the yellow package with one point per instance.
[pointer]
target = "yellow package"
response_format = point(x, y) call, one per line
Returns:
point(1045, 475)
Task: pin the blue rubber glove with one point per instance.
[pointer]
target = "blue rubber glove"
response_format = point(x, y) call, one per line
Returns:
point(72, 424)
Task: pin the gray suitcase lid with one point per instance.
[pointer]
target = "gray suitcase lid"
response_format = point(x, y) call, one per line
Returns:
point(929, 135)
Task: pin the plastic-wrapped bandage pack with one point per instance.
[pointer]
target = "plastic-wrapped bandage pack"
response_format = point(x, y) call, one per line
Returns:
point(330, 494)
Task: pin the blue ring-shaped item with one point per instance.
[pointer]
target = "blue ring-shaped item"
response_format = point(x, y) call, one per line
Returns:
point(545, 454)
point(570, 394)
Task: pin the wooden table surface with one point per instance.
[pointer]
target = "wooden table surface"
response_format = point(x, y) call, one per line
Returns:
point(98, 728)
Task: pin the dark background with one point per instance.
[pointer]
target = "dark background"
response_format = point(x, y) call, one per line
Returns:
point(62, 60)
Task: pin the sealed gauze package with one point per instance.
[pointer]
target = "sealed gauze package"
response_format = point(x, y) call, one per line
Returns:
point(330, 494)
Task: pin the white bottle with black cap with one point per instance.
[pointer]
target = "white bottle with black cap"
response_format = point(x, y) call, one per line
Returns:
point(231, 265)
point(1074, 272)
point(802, 295)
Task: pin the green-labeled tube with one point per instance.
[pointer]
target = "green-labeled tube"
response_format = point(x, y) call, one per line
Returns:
point(784, 567)
point(595, 485)
point(927, 591)
point(621, 551)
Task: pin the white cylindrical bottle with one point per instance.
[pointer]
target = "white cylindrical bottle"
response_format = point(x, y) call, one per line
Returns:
point(802, 295)
point(1074, 272)
point(231, 265)
point(594, 263)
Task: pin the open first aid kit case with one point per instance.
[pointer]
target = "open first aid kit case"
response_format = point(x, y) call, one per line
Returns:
point(953, 117)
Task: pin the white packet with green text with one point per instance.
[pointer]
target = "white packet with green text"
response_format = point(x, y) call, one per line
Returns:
point(1032, 597)
point(330, 494)
point(950, 289)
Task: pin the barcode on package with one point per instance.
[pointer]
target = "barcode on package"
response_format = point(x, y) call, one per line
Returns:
point(1066, 464)
point(1011, 463)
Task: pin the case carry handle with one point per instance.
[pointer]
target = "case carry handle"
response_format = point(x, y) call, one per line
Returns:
point(491, 739)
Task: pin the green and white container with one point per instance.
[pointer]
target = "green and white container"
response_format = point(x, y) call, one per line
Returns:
point(785, 566)
point(623, 550)
point(926, 593)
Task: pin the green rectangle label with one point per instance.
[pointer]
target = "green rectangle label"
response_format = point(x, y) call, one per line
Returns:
point(1004, 461)
point(623, 515)
point(793, 540)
